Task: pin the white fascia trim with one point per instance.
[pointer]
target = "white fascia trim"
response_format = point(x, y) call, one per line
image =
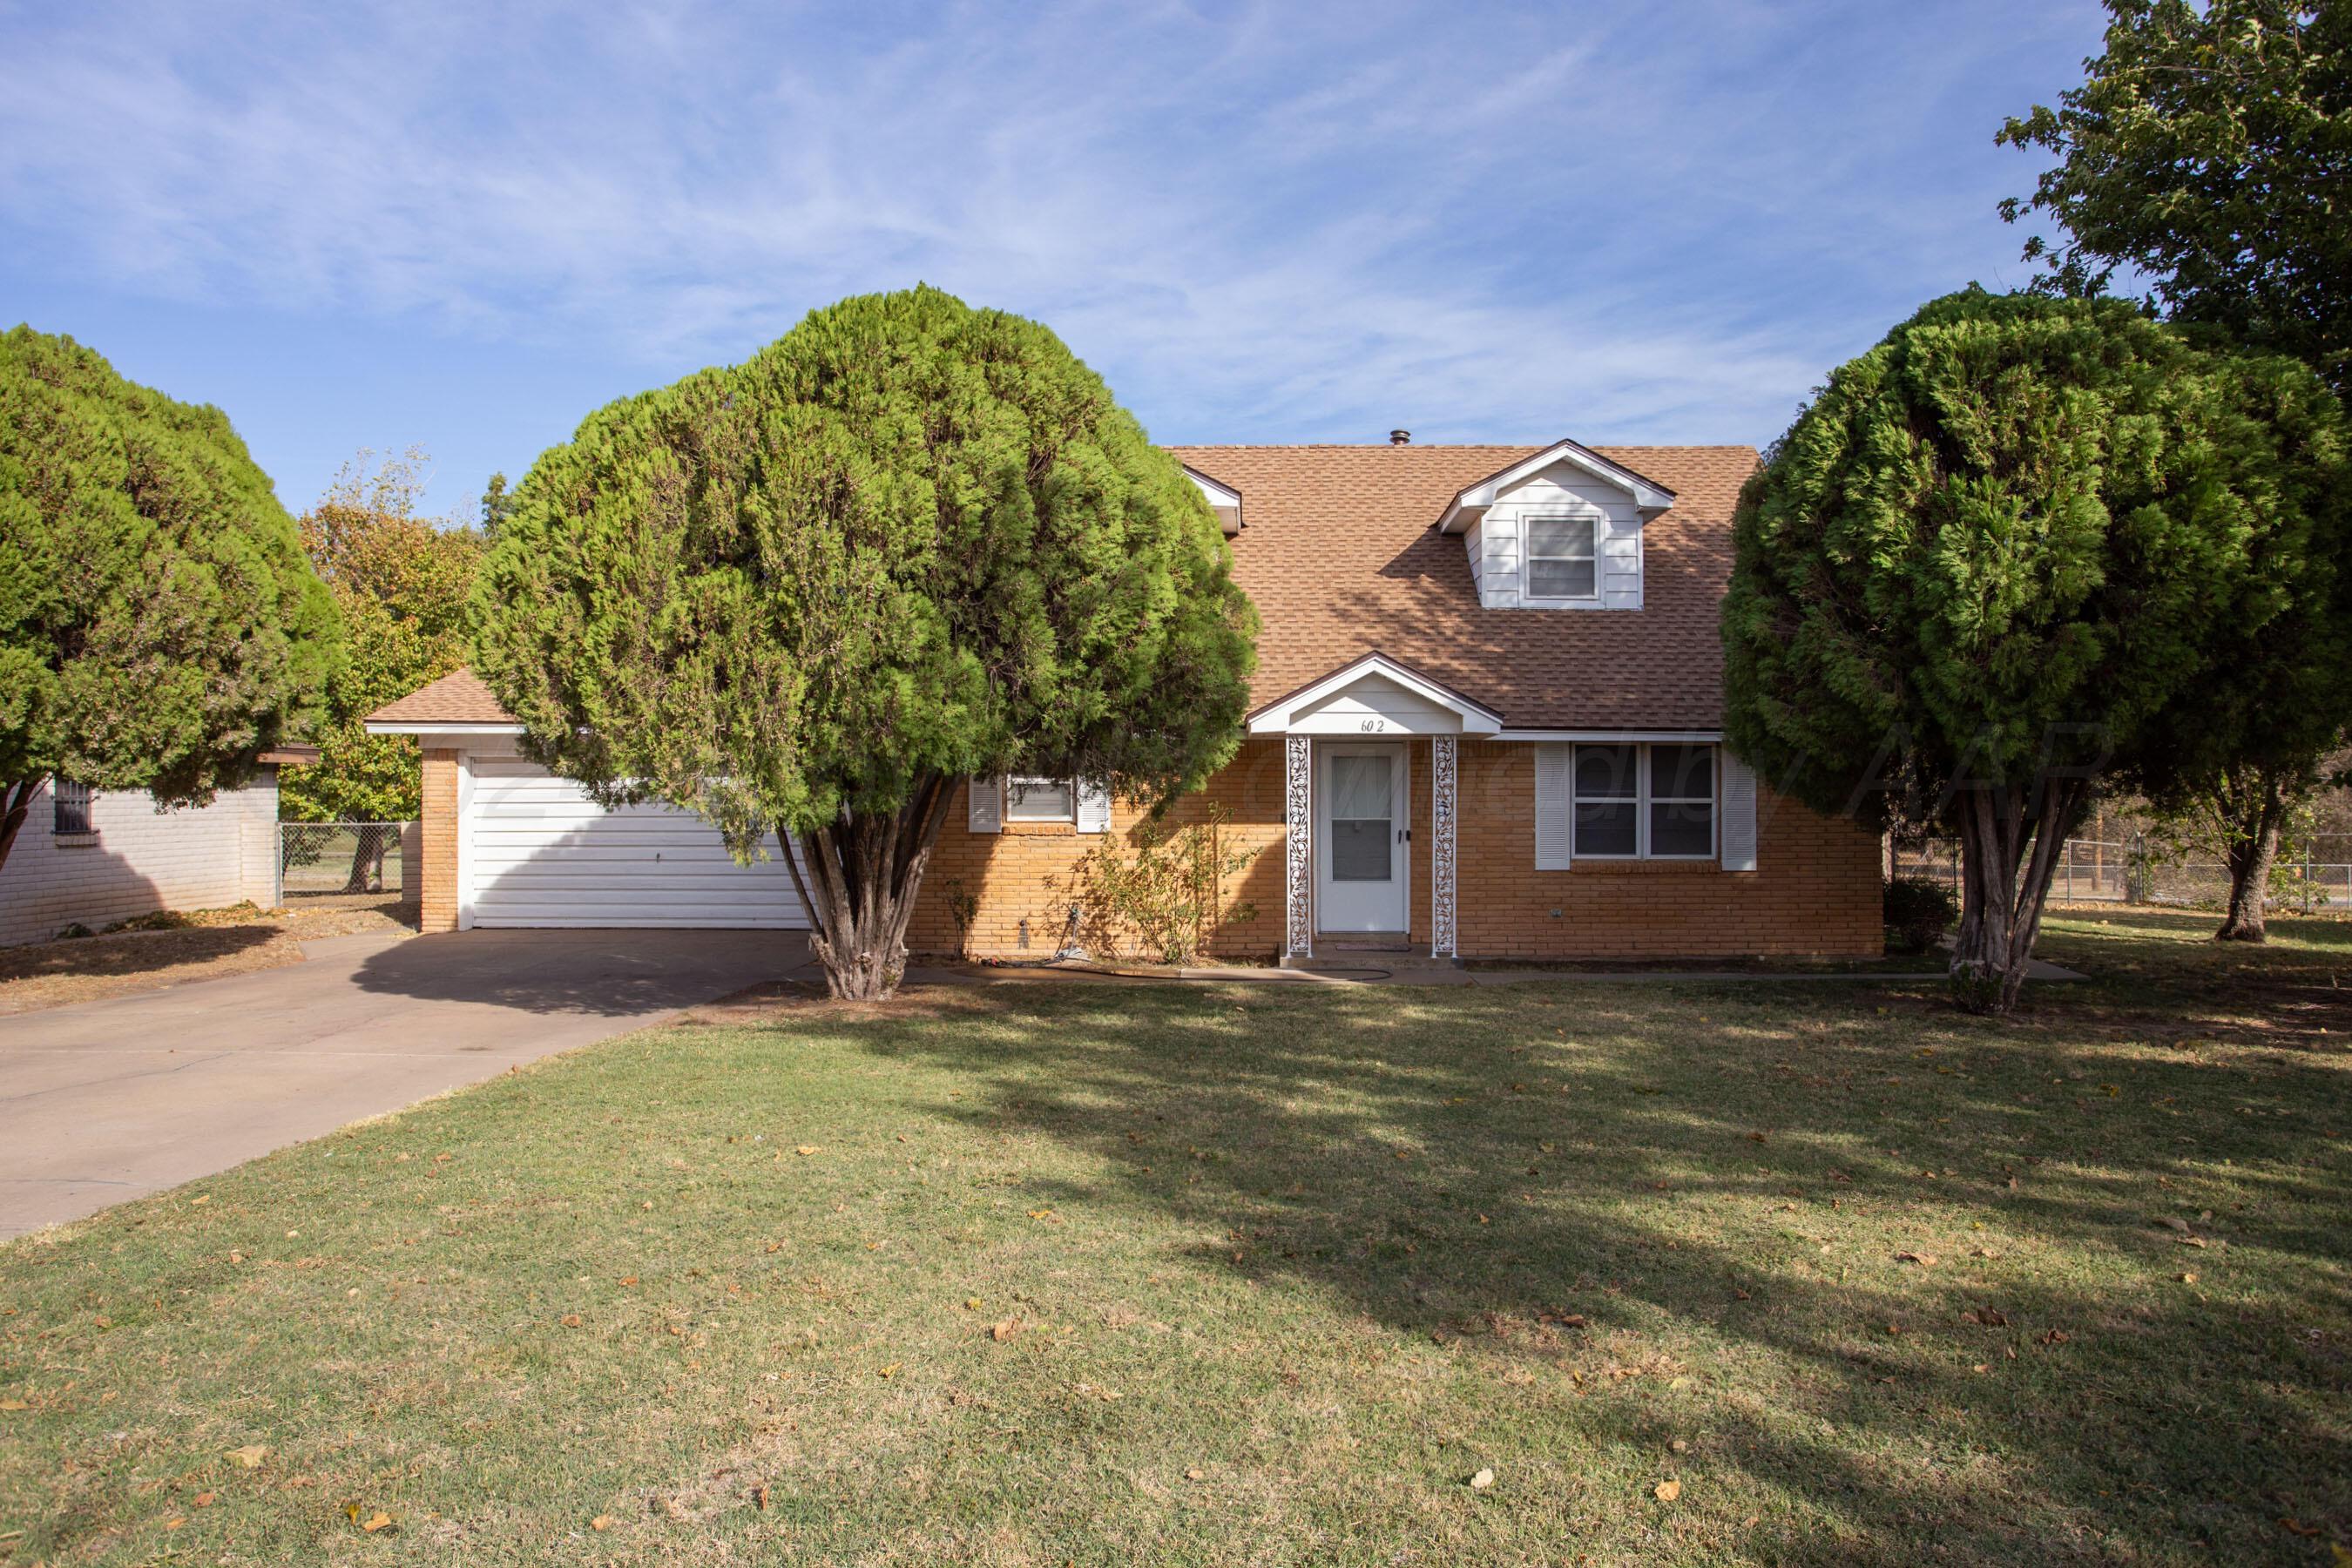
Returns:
point(1274, 718)
point(1222, 498)
point(1648, 499)
point(1618, 737)
point(395, 726)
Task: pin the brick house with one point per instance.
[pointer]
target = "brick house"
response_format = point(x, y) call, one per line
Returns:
point(89, 857)
point(1486, 723)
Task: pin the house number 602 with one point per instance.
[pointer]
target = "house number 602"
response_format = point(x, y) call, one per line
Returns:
point(1373, 726)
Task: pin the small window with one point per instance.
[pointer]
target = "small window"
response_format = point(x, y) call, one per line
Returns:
point(1039, 800)
point(1681, 801)
point(1563, 558)
point(70, 804)
point(1649, 803)
point(1608, 803)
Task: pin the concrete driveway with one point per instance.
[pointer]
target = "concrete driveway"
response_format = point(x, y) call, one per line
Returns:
point(112, 1100)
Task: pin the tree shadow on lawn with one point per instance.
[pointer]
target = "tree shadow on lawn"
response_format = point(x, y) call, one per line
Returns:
point(1719, 1181)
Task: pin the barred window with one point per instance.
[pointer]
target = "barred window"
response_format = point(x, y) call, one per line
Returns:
point(69, 803)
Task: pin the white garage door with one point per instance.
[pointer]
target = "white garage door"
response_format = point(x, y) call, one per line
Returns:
point(539, 852)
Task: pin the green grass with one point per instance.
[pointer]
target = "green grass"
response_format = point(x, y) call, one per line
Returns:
point(1280, 1269)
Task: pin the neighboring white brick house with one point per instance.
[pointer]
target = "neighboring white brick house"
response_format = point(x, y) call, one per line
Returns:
point(136, 860)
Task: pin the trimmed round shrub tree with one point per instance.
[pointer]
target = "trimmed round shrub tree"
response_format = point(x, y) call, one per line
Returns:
point(908, 543)
point(2007, 553)
point(159, 626)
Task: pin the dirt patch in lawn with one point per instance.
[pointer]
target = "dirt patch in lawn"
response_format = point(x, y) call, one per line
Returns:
point(175, 948)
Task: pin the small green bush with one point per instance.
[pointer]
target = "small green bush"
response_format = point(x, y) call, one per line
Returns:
point(1917, 911)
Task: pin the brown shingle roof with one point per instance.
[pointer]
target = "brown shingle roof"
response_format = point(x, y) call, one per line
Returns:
point(458, 697)
point(1341, 560)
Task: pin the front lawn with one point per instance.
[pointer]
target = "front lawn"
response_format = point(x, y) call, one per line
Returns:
point(1118, 1274)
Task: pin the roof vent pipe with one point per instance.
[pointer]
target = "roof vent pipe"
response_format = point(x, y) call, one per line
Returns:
point(1400, 438)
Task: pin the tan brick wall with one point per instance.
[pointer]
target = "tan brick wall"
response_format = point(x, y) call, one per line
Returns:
point(1815, 890)
point(1028, 872)
point(439, 881)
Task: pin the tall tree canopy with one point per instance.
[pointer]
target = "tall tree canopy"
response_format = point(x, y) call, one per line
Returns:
point(159, 626)
point(2011, 549)
point(908, 543)
point(400, 581)
point(2210, 151)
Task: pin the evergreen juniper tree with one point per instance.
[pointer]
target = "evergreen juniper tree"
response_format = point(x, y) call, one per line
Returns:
point(908, 543)
point(2006, 554)
point(159, 626)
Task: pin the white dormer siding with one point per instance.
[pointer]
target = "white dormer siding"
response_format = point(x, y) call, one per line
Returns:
point(1497, 541)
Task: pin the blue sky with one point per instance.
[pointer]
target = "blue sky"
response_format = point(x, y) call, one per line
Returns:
point(464, 226)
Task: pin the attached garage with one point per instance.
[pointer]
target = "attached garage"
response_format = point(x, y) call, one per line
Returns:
point(536, 851)
point(506, 843)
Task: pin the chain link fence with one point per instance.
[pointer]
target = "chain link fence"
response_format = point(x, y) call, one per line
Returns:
point(341, 860)
point(2127, 871)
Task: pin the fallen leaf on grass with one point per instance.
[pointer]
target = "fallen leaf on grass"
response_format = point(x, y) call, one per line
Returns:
point(806, 1149)
point(13, 1404)
point(1666, 1491)
point(1196, 1474)
point(890, 1371)
point(1482, 1480)
point(602, 1521)
point(1005, 1330)
point(377, 1520)
point(2189, 1278)
point(176, 1522)
point(1989, 1317)
point(571, 1319)
point(1924, 1260)
point(205, 1499)
point(250, 1456)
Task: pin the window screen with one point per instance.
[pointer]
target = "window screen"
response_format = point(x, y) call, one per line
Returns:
point(1562, 558)
point(1038, 800)
point(1681, 801)
point(1608, 803)
point(1362, 807)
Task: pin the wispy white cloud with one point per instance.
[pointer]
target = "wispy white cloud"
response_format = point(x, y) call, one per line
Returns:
point(1260, 221)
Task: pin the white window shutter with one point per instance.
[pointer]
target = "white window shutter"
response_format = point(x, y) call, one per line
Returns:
point(1553, 852)
point(985, 813)
point(1094, 806)
point(1738, 814)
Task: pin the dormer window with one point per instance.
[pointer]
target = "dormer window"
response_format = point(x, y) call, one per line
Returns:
point(1558, 530)
point(1563, 558)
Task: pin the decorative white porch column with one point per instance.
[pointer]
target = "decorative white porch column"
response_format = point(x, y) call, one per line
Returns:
point(1441, 848)
point(1298, 862)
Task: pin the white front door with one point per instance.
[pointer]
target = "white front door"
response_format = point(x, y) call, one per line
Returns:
point(1361, 855)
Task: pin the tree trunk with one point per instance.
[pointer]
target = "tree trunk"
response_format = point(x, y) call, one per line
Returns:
point(2254, 847)
point(2011, 840)
point(858, 878)
point(15, 804)
point(367, 857)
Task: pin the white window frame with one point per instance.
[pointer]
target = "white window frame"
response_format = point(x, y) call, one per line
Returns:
point(1592, 522)
point(1015, 783)
point(1714, 799)
point(1642, 799)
